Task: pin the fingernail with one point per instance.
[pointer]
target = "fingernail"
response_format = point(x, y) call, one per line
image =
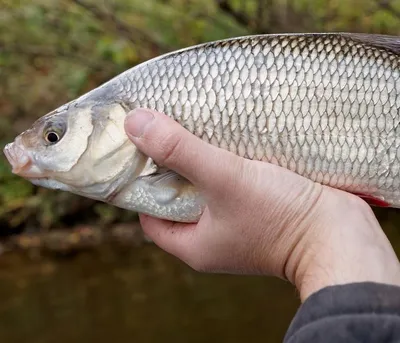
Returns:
point(137, 121)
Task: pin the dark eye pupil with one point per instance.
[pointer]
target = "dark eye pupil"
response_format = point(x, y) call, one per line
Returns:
point(52, 137)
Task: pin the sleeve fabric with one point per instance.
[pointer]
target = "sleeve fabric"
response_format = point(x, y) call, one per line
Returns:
point(358, 312)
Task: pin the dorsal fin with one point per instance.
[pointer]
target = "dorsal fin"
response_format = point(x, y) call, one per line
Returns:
point(391, 43)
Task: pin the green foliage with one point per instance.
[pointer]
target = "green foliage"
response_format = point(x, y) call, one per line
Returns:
point(53, 51)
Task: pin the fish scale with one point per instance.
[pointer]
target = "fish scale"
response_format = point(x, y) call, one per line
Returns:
point(306, 89)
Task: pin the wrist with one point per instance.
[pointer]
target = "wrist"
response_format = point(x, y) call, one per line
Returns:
point(342, 243)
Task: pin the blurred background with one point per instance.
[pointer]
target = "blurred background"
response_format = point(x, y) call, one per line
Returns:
point(74, 270)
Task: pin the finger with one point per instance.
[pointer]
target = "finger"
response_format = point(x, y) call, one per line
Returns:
point(170, 145)
point(174, 238)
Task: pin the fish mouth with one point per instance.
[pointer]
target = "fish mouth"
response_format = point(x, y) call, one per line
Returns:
point(20, 161)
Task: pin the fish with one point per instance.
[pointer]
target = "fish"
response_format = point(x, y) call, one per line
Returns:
point(323, 105)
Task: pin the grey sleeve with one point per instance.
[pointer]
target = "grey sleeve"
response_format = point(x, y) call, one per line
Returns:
point(359, 312)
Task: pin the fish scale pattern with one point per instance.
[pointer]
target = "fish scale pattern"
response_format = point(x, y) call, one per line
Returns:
point(324, 106)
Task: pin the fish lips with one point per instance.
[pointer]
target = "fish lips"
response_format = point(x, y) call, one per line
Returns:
point(20, 161)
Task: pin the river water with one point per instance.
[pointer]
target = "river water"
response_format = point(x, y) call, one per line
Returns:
point(141, 295)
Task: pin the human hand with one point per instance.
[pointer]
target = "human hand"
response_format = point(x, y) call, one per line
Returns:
point(261, 218)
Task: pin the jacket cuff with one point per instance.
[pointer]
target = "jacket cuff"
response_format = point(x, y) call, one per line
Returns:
point(345, 311)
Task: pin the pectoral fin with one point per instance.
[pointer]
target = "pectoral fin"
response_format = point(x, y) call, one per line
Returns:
point(165, 187)
point(165, 195)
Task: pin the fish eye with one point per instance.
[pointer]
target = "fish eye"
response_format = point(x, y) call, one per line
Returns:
point(53, 133)
point(52, 137)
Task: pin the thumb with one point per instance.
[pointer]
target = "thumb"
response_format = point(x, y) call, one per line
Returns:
point(170, 145)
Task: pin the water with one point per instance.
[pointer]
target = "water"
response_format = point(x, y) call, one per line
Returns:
point(142, 295)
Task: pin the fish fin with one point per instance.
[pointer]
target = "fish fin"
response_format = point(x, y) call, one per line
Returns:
point(166, 186)
point(387, 42)
point(371, 200)
point(168, 195)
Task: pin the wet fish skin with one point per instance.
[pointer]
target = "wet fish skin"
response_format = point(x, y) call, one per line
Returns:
point(325, 106)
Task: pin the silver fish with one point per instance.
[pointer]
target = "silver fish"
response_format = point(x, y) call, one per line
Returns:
point(325, 106)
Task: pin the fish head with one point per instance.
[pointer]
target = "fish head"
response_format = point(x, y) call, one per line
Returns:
point(51, 147)
point(80, 147)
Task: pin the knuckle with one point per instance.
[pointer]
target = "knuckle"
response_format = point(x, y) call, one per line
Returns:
point(171, 149)
point(198, 264)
